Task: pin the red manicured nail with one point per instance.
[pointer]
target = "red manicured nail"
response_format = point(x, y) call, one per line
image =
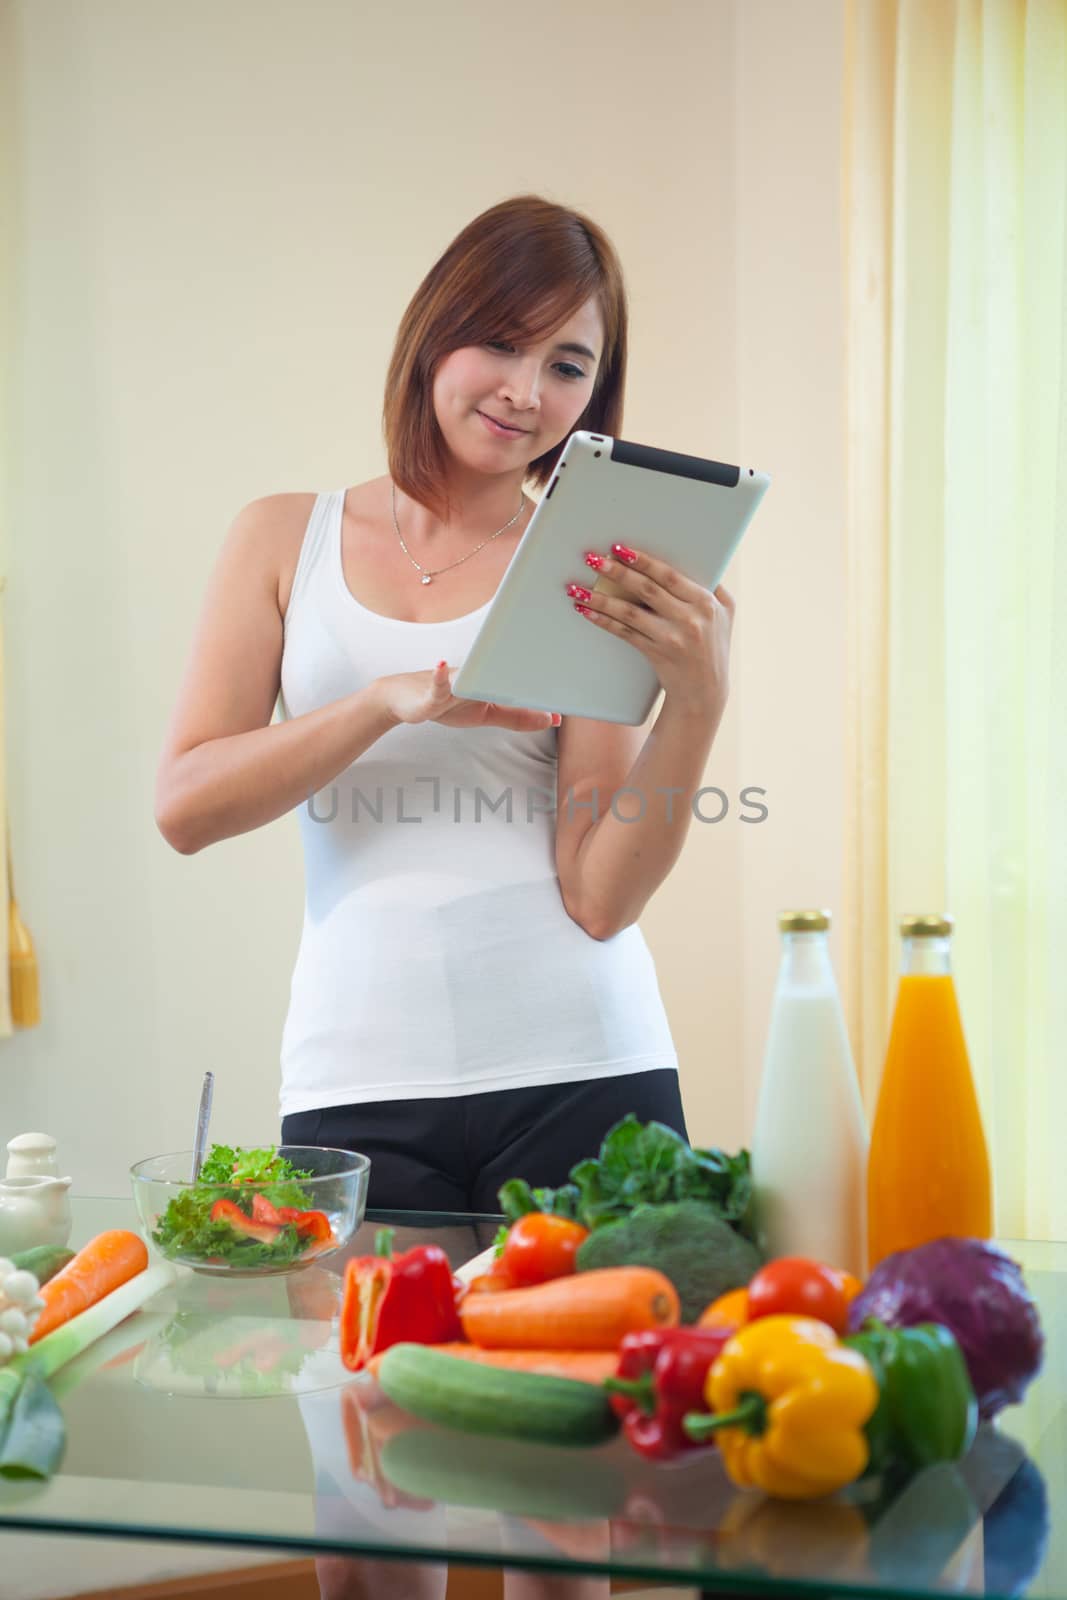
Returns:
point(576, 592)
point(585, 610)
point(593, 560)
point(624, 554)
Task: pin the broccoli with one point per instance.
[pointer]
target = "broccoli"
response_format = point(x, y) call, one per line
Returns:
point(687, 1241)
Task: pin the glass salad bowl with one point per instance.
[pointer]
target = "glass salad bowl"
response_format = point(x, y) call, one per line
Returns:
point(251, 1211)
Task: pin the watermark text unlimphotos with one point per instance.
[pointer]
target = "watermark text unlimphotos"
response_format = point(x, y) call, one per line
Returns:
point(628, 804)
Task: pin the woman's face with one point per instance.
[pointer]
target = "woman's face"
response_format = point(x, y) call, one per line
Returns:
point(539, 389)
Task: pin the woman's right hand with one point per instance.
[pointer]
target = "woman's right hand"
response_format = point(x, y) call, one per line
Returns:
point(427, 697)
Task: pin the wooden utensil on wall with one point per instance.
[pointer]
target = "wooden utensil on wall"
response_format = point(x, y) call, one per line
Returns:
point(22, 960)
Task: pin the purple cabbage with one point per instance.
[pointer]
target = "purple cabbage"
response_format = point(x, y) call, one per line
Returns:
point(975, 1290)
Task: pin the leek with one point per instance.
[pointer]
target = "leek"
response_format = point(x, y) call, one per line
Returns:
point(32, 1437)
point(35, 1440)
point(63, 1344)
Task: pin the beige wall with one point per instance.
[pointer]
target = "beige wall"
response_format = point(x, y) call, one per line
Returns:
point(222, 211)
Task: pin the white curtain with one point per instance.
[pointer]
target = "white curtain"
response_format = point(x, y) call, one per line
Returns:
point(9, 168)
point(956, 206)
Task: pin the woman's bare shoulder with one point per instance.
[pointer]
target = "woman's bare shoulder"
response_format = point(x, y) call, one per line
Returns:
point(281, 521)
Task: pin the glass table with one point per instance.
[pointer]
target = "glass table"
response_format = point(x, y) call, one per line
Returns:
point(222, 1413)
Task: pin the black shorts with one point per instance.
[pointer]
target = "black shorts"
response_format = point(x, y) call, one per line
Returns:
point(453, 1154)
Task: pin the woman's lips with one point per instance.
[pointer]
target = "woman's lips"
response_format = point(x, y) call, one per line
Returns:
point(499, 430)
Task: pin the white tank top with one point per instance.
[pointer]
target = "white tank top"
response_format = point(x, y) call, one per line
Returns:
point(436, 956)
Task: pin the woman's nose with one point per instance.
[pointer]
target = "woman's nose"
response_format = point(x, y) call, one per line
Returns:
point(522, 386)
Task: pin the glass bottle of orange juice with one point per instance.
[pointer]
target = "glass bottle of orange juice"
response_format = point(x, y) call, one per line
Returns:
point(928, 1171)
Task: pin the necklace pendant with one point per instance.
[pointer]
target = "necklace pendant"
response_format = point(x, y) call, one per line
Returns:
point(426, 578)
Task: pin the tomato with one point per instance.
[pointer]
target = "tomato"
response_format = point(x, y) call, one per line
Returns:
point(795, 1287)
point(728, 1311)
point(540, 1247)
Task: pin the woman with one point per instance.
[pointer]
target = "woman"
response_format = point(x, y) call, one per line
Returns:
point(472, 1000)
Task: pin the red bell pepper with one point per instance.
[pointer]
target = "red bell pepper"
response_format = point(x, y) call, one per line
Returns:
point(662, 1373)
point(308, 1224)
point(390, 1300)
point(240, 1222)
point(311, 1225)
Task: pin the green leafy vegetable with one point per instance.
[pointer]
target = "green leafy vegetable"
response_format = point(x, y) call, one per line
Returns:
point(224, 1165)
point(641, 1164)
point(186, 1230)
point(517, 1199)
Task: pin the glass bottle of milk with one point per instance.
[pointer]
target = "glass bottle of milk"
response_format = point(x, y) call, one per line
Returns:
point(809, 1149)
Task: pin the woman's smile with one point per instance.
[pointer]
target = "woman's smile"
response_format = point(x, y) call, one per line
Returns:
point(500, 430)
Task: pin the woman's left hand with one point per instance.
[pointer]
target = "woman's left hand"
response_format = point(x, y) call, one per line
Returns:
point(682, 629)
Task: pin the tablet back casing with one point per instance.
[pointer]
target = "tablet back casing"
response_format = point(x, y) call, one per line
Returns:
point(533, 649)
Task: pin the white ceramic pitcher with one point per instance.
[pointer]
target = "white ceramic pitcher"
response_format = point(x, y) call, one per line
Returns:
point(33, 1211)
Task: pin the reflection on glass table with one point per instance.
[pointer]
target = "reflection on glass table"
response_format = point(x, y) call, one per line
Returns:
point(304, 1457)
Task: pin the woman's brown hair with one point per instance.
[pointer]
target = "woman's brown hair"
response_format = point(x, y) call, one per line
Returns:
point(517, 271)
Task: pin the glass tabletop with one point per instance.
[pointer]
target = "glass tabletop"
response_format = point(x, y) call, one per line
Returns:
point(222, 1412)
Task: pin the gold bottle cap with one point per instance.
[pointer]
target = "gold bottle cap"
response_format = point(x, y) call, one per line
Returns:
point(926, 927)
point(803, 921)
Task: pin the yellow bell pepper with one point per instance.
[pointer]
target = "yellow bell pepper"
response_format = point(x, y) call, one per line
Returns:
point(788, 1403)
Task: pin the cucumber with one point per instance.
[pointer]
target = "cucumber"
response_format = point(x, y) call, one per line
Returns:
point(518, 1479)
point(484, 1399)
point(44, 1261)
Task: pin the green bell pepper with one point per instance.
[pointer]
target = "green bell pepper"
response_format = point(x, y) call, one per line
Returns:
point(927, 1411)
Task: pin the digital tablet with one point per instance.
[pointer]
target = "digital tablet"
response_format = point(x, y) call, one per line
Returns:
point(533, 649)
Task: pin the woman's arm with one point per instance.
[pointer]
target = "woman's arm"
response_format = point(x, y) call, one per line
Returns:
point(224, 769)
point(231, 785)
point(612, 860)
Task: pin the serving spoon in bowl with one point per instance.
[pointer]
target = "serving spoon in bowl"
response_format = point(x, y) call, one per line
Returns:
point(203, 1117)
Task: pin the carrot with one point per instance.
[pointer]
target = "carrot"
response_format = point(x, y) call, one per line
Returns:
point(587, 1366)
point(583, 1311)
point(105, 1264)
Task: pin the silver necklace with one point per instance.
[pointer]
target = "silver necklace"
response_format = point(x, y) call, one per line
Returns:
point(427, 574)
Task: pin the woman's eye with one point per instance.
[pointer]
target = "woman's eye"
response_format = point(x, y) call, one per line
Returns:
point(566, 369)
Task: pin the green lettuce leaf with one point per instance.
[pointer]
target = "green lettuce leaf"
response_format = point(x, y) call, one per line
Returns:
point(641, 1164)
